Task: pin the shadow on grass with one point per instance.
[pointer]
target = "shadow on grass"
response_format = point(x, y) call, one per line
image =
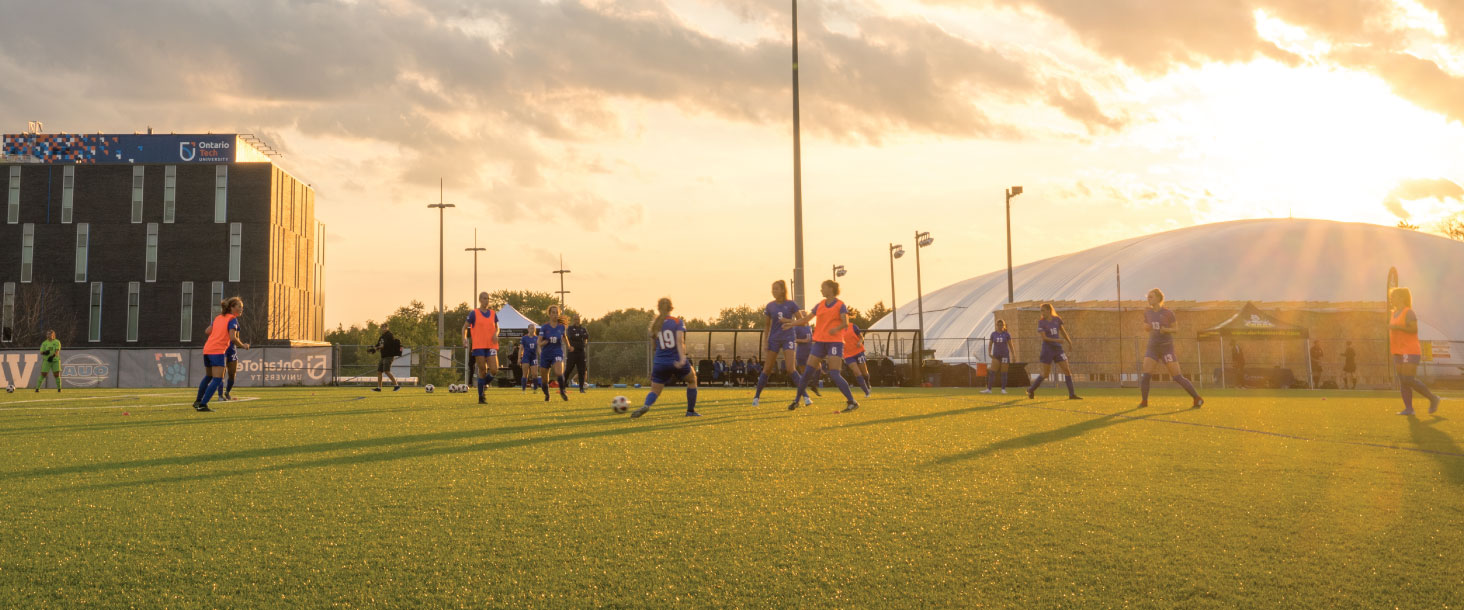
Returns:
point(1440, 445)
point(199, 419)
point(1052, 436)
point(920, 416)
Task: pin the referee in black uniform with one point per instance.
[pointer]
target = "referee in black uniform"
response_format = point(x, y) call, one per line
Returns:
point(578, 337)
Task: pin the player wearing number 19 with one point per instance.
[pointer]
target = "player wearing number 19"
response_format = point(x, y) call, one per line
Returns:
point(1161, 324)
point(480, 332)
point(831, 318)
point(668, 336)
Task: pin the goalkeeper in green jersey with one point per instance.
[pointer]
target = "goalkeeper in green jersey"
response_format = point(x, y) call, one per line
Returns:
point(50, 360)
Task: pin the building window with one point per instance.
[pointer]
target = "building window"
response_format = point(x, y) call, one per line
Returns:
point(83, 235)
point(27, 252)
point(68, 189)
point(134, 302)
point(137, 194)
point(170, 193)
point(12, 206)
point(94, 325)
point(7, 314)
point(150, 272)
point(185, 330)
point(236, 237)
point(221, 193)
point(216, 296)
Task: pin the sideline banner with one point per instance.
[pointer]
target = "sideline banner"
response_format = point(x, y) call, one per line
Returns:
point(169, 368)
point(79, 368)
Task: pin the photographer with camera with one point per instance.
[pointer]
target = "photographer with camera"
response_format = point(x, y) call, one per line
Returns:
point(50, 360)
point(389, 349)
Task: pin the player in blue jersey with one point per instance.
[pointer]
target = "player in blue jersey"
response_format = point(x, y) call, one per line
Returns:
point(999, 350)
point(668, 337)
point(830, 317)
point(780, 339)
point(529, 357)
point(1053, 335)
point(1161, 325)
point(551, 351)
point(802, 346)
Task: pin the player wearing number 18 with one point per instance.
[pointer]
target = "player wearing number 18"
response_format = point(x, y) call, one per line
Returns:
point(551, 351)
point(668, 336)
point(1161, 324)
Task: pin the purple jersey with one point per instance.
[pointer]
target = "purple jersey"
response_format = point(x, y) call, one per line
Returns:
point(665, 340)
point(1001, 344)
point(1050, 331)
point(1155, 320)
point(779, 312)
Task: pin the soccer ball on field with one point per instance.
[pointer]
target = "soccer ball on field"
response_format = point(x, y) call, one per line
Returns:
point(430, 388)
point(620, 404)
point(9, 388)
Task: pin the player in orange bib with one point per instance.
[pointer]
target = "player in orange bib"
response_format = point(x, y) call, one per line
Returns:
point(1407, 353)
point(223, 333)
point(830, 317)
point(854, 356)
point(480, 333)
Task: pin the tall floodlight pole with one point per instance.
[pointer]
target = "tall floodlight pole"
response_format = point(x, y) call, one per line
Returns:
point(475, 250)
point(922, 239)
point(895, 252)
point(560, 272)
point(797, 176)
point(441, 208)
point(1011, 192)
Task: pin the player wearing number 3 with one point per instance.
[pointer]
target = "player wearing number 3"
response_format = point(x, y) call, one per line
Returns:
point(668, 335)
point(1161, 324)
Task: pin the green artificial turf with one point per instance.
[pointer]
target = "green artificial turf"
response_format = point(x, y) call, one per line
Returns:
point(922, 498)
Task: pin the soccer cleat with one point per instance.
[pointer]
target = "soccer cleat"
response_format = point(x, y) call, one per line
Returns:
point(1030, 394)
point(546, 397)
point(1074, 397)
point(1142, 405)
point(693, 414)
point(815, 391)
point(1199, 402)
point(1433, 405)
point(794, 405)
point(396, 387)
point(754, 402)
point(482, 401)
point(986, 391)
point(1003, 390)
point(202, 408)
point(807, 401)
point(1406, 412)
point(850, 407)
point(375, 389)
point(564, 395)
point(227, 397)
point(639, 412)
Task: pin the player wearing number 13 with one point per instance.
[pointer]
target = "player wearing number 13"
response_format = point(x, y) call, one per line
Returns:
point(668, 336)
point(1161, 324)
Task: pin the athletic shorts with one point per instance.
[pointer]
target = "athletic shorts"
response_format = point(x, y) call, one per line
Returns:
point(666, 373)
point(778, 345)
point(1350, 367)
point(855, 359)
point(547, 358)
point(825, 349)
point(530, 358)
point(212, 360)
point(1160, 352)
point(801, 351)
point(1052, 353)
point(50, 366)
point(1002, 359)
point(490, 352)
point(384, 364)
point(1407, 358)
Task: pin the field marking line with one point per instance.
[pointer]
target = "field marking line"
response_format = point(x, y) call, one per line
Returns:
point(175, 404)
point(115, 397)
point(1251, 431)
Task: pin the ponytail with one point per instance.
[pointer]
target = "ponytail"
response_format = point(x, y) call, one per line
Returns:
point(229, 303)
point(663, 306)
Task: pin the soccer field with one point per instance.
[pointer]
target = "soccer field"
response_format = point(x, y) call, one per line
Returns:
point(922, 498)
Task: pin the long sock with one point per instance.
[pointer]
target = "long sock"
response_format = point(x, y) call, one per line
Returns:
point(1037, 384)
point(203, 387)
point(230, 388)
point(1420, 388)
point(218, 391)
point(545, 385)
point(762, 381)
point(863, 383)
point(1144, 387)
point(213, 385)
point(989, 378)
point(563, 387)
point(482, 385)
point(1069, 380)
point(1004, 379)
point(843, 385)
point(690, 399)
point(795, 378)
point(650, 398)
point(1407, 394)
point(524, 383)
point(802, 387)
point(1188, 387)
point(582, 379)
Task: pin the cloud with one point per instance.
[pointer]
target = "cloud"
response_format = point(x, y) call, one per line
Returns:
point(1075, 102)
point(1413, 190)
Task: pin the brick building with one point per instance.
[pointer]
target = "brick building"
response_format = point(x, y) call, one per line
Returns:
point(132, 240)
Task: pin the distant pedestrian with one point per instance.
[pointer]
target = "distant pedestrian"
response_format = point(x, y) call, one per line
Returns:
point(387, 350)
point(1316, 363)
point(1349, 367)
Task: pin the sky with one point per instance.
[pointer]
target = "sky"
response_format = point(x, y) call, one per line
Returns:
point(649, 142)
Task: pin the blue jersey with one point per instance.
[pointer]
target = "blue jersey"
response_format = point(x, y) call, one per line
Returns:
point(528, 346)
point(1001, 344)
point(1155, 320)
point(665, 341)
point(551, 338)
point(1050, 331)
point(802, 332)
point(779, 312)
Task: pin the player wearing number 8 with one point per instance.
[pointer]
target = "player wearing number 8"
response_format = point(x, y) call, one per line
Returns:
point(1161, 326)
point(668, 336)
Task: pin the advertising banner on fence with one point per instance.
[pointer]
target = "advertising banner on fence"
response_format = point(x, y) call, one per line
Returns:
point(169, 368)
point(146, 368)
point(79, 368)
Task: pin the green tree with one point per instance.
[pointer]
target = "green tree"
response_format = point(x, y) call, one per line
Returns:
point(741, 317)
point(868, 316)
point(1453, 227)
point(533, 305)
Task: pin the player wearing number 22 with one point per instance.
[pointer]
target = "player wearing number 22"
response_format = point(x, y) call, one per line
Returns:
point(1161, 324)
point(668, 336)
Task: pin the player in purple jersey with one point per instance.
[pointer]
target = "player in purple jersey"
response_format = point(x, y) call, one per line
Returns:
point(999, 350)
point(780, 338)
point(668, 336)
point(551, 351)
point(1053, 335)
point(802, 347)
point(1161, 325)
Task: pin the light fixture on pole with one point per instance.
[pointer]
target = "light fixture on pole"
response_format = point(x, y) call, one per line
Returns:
point(896, 251)
point(475, 250)
point(838, 272)
point(441, 207)
point(1011, 192)
point(560, 272)
point(922, 240)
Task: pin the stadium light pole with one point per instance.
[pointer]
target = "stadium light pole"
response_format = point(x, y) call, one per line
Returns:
point(441, 212)
point(797, 176)
point(838, 272)
point(475, 250)
point(896, 251)
point(1011, 192)
point(922, 240)
point(560, 272)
